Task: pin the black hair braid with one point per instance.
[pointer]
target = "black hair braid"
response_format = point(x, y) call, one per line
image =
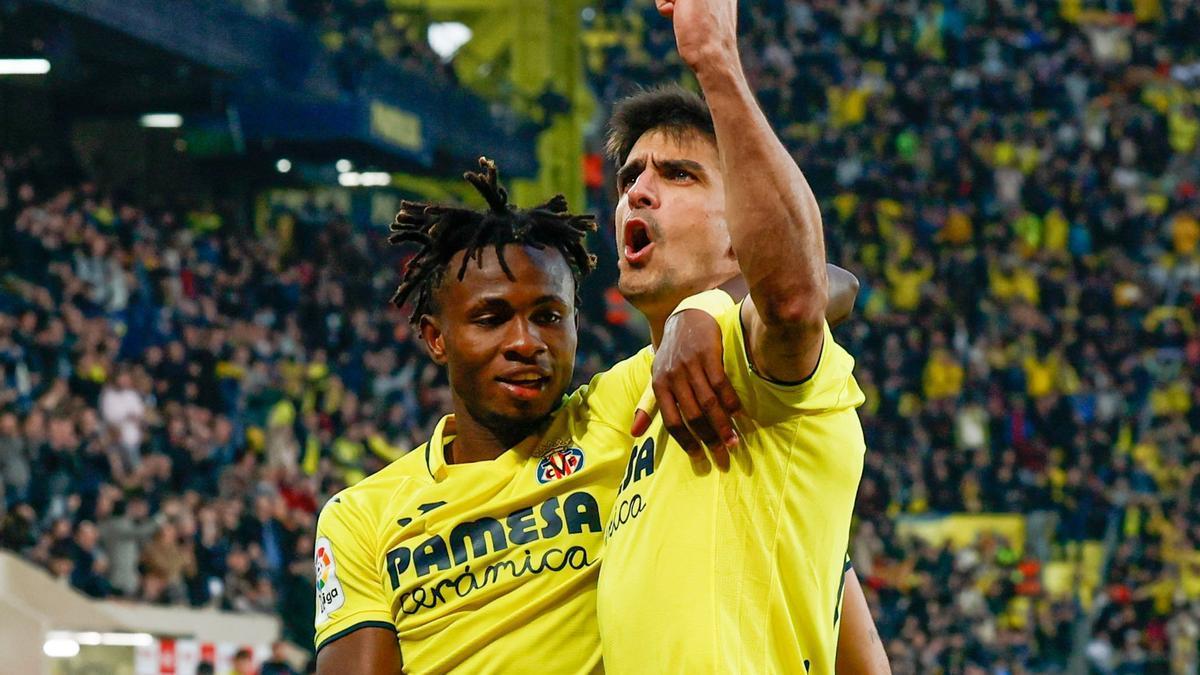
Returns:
point(441, 231)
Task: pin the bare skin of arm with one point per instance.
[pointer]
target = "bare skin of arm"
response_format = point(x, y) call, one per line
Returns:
point(366, 651)
point(767, 198)
point(843, 291)
point(860, 651)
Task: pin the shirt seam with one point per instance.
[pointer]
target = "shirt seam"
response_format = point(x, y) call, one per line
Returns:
point(772, 597)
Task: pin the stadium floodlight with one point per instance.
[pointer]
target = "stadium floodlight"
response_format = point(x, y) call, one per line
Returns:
point(343, 165)
point(375, 178)
point(364, 179)
point(89, 638)
point(58, 640)
point(283, 165)
point(162, 121)
point(127, 639)
point(447, 37)
point(60, 648)
point(24, 66)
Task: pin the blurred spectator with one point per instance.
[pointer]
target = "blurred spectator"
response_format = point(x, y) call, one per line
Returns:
point(123, 532)
point(243, 663)
point(15, 460)
point(121, 407)
point(277, 664)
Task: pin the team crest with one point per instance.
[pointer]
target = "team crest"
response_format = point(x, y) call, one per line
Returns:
point(559, 464)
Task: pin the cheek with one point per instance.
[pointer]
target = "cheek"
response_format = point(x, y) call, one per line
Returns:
point(622, 210)
point(564, 348)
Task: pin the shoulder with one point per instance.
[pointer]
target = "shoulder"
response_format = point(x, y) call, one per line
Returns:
point(611, 395)
point(831, 386)
point(378, 492)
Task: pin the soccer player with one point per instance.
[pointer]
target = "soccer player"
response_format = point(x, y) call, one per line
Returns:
point(739, 568)
point(479, 550)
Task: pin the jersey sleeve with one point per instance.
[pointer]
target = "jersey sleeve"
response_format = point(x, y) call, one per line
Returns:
point(831, 386)
point(612, 395)
point(349, 585)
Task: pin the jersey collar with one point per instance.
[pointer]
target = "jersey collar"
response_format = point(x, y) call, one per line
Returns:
point(435, 452)
point(435, 449)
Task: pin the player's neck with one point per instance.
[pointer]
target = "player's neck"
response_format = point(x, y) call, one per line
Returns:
point(475, 441)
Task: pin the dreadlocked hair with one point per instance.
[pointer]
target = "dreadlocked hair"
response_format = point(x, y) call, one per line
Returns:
point(442, 231)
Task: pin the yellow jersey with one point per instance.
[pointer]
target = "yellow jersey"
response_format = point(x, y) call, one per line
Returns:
point(738, 571)
point(484, 567)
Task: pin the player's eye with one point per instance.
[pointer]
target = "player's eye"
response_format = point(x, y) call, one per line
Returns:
point(549, 317)
point(488, 320)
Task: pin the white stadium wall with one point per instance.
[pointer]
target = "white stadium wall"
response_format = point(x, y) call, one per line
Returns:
point(161, 640)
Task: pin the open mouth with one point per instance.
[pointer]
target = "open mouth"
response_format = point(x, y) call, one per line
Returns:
point(637, 240)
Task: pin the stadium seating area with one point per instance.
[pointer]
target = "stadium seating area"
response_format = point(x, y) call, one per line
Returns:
point(1015, 184)
point(159, 362)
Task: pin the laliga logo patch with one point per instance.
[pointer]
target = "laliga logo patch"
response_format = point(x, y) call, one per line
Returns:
point(330, 596)
point(559, 464)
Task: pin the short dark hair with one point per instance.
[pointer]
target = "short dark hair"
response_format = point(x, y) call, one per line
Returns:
point(442, 231)
point(669, 108)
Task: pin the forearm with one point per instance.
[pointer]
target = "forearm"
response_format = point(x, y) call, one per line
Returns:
point(860, 651)
point(843, 293)
point(767, 201)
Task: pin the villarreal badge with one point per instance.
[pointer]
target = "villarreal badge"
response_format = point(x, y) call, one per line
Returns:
point(559, 463)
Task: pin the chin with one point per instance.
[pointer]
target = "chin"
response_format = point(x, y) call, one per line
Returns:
point(524, 413)
point(637, 283)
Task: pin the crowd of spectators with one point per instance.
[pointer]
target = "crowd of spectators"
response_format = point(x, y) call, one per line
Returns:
point(178, 399)
point(1016, 185)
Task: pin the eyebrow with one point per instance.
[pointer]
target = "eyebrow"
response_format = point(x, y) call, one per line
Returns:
point(631, 167)
point(636, 166)
point(685, 164)
point(486, 303)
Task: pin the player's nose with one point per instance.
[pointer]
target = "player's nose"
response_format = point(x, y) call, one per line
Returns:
point(524, 341)
point(643, 194)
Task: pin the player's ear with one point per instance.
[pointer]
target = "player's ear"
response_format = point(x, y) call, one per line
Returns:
point(434, 338)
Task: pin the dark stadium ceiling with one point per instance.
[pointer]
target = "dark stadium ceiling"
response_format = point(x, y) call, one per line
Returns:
point(101, 70)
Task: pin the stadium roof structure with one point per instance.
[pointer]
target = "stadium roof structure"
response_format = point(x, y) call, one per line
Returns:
point(263, 82)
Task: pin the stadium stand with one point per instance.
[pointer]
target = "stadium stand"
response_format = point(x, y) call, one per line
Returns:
point(1015, 184)
point(179, 401)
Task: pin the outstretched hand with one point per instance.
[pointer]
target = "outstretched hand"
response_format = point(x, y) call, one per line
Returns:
point(690, 388)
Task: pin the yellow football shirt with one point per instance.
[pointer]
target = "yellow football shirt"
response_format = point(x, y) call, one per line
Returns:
point(491, 566)
point(707, 571)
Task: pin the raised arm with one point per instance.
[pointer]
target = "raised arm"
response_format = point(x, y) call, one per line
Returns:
point(767, 198)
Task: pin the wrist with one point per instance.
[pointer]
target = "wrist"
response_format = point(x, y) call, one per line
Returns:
point(718, 68)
